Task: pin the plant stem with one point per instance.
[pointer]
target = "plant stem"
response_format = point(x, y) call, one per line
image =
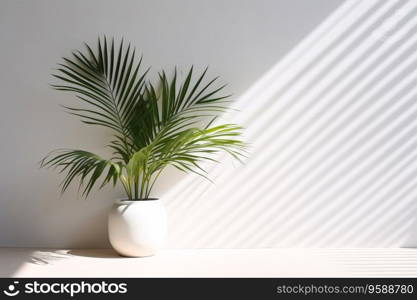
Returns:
point(125, 185)
point(149, 190)
point(135, 182)
point(142, 187)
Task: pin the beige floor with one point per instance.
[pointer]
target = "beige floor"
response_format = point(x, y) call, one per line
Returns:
point(22, 262)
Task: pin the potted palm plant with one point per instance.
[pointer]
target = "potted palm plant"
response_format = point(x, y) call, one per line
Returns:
point(154, 125)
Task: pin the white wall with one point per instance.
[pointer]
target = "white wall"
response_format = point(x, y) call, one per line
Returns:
point(326, 90)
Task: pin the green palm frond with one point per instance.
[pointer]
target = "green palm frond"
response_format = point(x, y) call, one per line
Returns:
point(82, 164)
point(185, 150)
point(111, 83)
point(154, 125)
point(175, 107)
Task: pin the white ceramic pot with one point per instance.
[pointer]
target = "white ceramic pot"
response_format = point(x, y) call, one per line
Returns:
point(137, 228)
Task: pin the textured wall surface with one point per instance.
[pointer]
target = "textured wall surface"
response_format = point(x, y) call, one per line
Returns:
point(326, 90)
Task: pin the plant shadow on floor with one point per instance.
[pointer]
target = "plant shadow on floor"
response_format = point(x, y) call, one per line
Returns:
point(45, 257)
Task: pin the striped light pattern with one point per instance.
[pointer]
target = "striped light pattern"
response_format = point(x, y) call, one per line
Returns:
point(333, 134)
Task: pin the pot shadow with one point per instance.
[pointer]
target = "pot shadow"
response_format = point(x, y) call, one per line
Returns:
point(94, 253)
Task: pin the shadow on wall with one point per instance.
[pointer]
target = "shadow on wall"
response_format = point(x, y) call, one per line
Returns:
point(332, 129)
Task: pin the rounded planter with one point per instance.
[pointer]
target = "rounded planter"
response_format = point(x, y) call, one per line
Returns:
point(137, 228)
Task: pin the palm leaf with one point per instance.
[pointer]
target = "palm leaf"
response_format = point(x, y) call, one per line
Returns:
point(87, 166)
point(110, 84)
point(154, 125)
